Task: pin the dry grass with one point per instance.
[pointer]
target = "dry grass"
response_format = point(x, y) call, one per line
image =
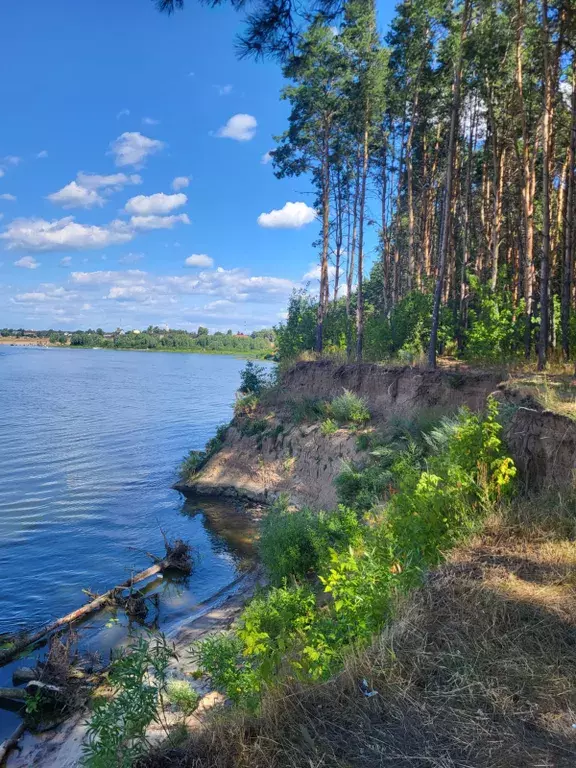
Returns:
point(478, 671)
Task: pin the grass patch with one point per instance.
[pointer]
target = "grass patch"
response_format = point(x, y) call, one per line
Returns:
point(348, 408)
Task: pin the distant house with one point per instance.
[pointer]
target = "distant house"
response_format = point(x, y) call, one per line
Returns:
point(30, 334)
point(242, 335)
point(136, 331)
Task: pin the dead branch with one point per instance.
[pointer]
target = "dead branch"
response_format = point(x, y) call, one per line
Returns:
point(178, 556)
point(11, 742)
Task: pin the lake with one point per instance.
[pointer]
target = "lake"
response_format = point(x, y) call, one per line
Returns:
point(90, 442)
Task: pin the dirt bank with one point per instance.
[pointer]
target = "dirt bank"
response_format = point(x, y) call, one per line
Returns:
point(301, 461)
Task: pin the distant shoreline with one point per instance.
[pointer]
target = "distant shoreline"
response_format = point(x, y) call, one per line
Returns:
point(21, 342)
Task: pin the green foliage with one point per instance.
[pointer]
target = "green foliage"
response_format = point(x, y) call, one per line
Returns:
point(349, 408)
point(182, 695)
point(328, 427)
point(294, 543)
point(195, 460)
point(117, 727)
point(246, 405)
point(254, 379)
point(307, 409)
point(496, 326)
point(419, 498)
point(253, 427)
point(221, 657)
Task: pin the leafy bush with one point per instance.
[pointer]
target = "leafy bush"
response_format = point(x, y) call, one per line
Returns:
point(349, 408)
point(221, 657)
point(192, 464)
point(328, 427)
point(307, 409)
point(117, 728)
point(182, 695)
point(253, 427)
point(244, 406)
point(293, 543)
point(254, 379)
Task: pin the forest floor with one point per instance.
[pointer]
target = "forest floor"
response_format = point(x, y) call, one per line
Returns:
point(477, 671)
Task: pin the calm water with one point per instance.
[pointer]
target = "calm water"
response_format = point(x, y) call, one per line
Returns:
point(89, 445)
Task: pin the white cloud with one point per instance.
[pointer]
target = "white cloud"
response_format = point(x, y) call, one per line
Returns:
point(83, 193)
point(223, 90)
point(63, 234)
point(8, 196)
point(291, 216)
point(1, 172)
point(266, 157)
point(150, 121)
point(75, 196)
point(66, 261)
point(240, 128)
point(132, 148)
point(180, 182)
point(27, 262)
point(113, 182)
point(159, 203)
point(42, 154)
point(123, 113)
point(199, 260)
point(12, 160)
point(158, 222)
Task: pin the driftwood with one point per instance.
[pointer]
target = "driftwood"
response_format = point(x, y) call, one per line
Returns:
point(177, 556)
point(11, 742)
point(14, 694)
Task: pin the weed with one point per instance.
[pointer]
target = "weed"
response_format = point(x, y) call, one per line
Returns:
point(349, 408)
point(328, 427)
point(307, 409)
point(182, 695)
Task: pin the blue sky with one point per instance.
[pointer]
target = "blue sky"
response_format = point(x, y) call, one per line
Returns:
point(133, 187)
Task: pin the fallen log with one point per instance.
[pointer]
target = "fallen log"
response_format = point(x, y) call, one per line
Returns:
point(11, 742)
point(14, 694)
point(177, 557)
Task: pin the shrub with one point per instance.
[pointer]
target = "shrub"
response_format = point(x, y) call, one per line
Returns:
point(117, 728)
point(192, 464)
point(246, 405)
point(328, 427)
point(254, 379)
point(182, 695)
point(294, 543)
point(253, 427)
point(349, 408)
point(221, 657)
point(307, 409)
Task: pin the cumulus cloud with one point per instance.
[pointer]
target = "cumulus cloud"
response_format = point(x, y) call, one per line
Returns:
point(159, 203)
point(239, 127)
point(291, 216)
point(75, 196)
point(83, 193)
point(27, 262)
point(63, 234)
point(199, 260)
point(132, 148)
point(180, 182)
point(266, 157)
point(158, 222)
point(8, 196)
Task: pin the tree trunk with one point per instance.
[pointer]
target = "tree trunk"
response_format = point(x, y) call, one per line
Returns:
point(568, 264)
point(445, 237)
point(324, 287)
point(359, 289)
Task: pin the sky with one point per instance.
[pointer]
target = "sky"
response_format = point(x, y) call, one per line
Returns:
point(135, 185)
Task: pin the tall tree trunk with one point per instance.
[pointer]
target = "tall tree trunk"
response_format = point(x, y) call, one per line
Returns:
point(568, 262)
point(360, 288)
point(452, 140)
point(350, 275)
point(497, 215)
point(324, 284)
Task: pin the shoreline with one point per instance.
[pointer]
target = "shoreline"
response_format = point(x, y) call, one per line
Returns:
point(40, 343)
